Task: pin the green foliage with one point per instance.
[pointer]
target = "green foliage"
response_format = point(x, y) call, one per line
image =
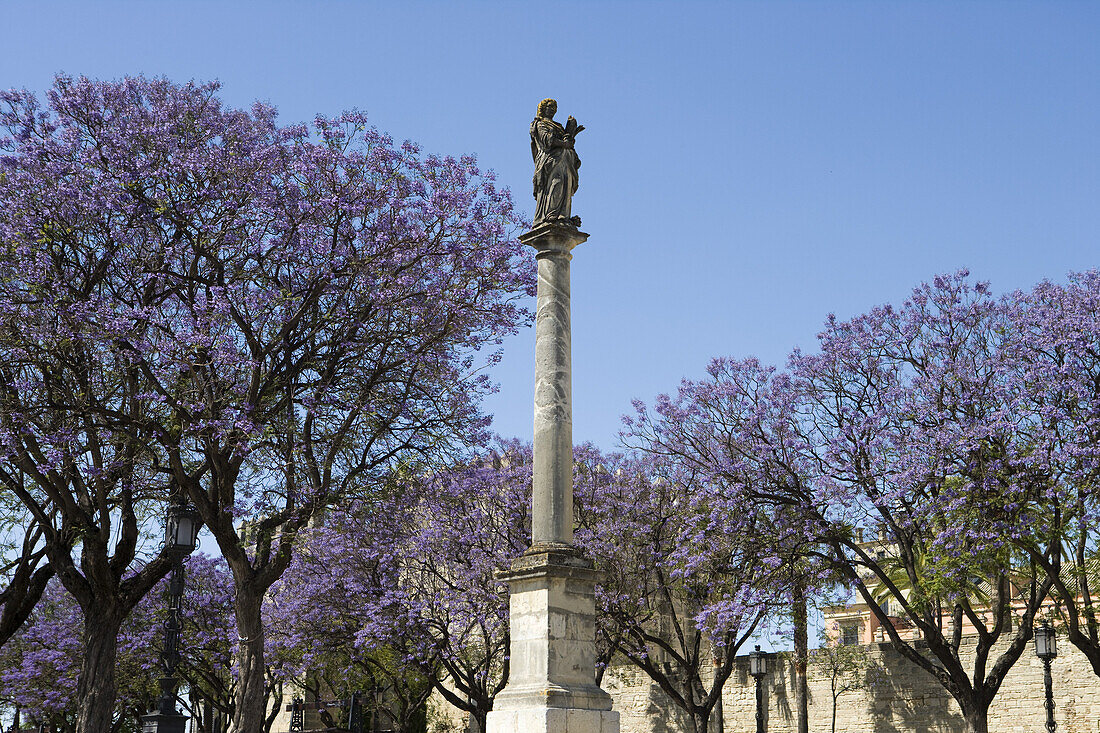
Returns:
point(847, 667)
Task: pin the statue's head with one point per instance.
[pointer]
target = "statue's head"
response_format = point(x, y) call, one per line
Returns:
point(548, 108)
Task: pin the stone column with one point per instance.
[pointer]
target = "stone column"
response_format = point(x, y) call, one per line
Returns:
point(552, 510)
point(552, 608)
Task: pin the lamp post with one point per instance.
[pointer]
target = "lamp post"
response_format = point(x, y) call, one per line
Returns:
point(181, 533)
point(1046, 648)
point(758, 667)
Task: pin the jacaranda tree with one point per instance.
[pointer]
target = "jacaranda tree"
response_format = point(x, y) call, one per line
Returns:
point(78, 448)
point(267, 318)
point(39, 669)
point(413, 573)
point(208, 644)
point(323, 617)
point(1055, 354)
point(908, 425)
point(916, 425)
point(688, 581)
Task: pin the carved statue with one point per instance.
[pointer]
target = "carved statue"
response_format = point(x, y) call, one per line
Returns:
point(556, 165)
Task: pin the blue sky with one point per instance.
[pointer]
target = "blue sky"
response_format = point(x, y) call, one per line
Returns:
point(748, 167)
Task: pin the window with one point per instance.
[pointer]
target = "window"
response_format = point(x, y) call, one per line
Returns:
point(849, 634)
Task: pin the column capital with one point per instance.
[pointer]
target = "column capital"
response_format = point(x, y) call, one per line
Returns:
point(551, 238)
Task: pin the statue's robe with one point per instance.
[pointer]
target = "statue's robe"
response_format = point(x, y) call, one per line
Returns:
point(556, 165)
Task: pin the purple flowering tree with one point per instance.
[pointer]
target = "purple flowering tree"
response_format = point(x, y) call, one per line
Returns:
point(268, 318)
point(40, 665)
point(917, 427)
point(39, 670)
point(208, 646)
point(687, 582)
point(314, 632)
point(411, 575)
point(317, 616)
point(1054, 345)
point(77, 447)
point(207, 640)
point(907, 426)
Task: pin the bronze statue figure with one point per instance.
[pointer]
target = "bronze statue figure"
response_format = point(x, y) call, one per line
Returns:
point(556, 165)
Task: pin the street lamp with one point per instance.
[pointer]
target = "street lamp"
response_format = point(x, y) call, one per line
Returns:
point(181, 528)
point(181, 534)
point(1046, 648)
point(758, 667)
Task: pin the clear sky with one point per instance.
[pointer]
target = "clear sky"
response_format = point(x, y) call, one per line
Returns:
point(748, 167)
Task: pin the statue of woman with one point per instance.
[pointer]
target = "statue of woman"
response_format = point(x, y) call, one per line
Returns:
point(556, 165)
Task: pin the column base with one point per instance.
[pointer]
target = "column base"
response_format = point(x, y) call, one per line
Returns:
point(163, 723)
point(553, 720)
point(552, 620)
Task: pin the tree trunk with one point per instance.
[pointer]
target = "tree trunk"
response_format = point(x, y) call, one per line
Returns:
point(976, 720)
point(477, 720)
point(96, 688)
point(801, 656)
point(250, 713)
point(276, 703)
point(19, 599)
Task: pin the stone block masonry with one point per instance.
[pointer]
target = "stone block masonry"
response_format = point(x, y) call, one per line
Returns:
point(907, 700)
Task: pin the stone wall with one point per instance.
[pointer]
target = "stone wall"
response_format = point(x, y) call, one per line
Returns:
point(906, 700)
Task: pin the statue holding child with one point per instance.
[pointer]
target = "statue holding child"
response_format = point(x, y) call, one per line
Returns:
point(556, 165)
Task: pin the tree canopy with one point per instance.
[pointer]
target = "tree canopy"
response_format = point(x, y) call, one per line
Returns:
point(266, 318)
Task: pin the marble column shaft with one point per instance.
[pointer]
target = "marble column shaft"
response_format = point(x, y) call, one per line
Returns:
point(552, 513)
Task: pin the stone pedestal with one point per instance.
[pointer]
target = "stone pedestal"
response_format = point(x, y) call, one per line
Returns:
point(552, 609)
point(552, 676)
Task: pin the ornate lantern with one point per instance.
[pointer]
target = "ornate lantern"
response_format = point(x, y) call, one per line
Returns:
point(758, 663)
point(181, 528)
point(1046, 646)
